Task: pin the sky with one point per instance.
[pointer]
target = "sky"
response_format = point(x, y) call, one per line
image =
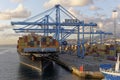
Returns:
point(98, 11)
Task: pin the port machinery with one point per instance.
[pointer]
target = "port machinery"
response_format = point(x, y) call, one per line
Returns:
point(59, 23)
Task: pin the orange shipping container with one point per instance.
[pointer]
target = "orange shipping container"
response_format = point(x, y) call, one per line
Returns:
point(25, 38)
point(56, 43)
point(38, 42)
point(35, 38)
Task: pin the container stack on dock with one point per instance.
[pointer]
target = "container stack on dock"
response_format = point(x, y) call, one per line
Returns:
point(101, 49)
point(105, 51)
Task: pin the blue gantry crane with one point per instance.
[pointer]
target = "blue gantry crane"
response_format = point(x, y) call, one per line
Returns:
point(61, 24)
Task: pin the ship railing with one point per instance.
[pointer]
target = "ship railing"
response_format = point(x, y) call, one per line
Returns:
point(106, 70)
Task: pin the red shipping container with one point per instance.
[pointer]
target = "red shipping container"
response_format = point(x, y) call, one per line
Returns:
point(25, 38)
point(54, 41)
point(82, 68)
point(35, 38)
point(38, 42)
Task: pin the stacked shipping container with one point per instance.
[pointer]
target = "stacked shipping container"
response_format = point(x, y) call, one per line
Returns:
point(36, 41)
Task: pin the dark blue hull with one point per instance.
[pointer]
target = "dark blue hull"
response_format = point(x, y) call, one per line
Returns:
point(111, 77)
point(39, 63)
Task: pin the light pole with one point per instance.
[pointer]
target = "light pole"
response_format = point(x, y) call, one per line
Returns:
point(114, 15)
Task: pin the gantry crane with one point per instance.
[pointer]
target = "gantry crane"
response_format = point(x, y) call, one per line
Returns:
point(60, 23)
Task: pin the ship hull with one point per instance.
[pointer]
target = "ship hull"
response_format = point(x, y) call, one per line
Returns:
point(111, 75)
point(39, 63)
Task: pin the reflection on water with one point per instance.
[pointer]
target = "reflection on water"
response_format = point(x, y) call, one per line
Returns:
point(56, 73)
point(51, 74)
point(26, 73)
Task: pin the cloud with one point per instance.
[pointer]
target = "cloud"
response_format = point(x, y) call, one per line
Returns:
point(118, 6)
point(78, 14)
point(12, 35)
point(4, 16)
point(107, 25)
point(68, 3)
point(118, 12)
point(1, 30)
point(19, 12)
point(5, 26)
point(7, 32)
point(73, 11)
point(17, 1)
point(100, 25)
point(94, 8)
point(104, 23)
point(110, 27)
point(99, 0)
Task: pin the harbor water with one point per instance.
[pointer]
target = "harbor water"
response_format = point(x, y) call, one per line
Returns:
point(11, 69)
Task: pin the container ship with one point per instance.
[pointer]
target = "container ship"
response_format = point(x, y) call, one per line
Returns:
point(34, 50)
